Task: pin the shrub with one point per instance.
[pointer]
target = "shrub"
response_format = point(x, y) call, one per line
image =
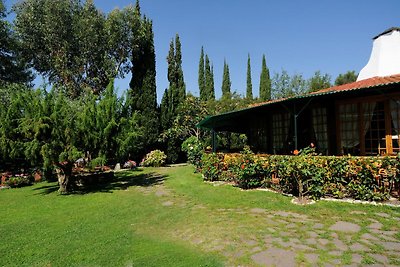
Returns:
point(19, 181)
point(365, 178)
point(212, 166)
point(155, 158)
point(193, 148)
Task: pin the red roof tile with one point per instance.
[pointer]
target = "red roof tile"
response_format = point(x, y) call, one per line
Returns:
point(367, 83)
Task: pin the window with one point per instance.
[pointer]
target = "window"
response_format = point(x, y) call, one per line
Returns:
point(395, 121)
point(349, 128)
point(320, 126)
point(374, 128)
point(280, 131)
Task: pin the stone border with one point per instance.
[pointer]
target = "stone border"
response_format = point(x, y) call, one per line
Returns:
point(345, 200)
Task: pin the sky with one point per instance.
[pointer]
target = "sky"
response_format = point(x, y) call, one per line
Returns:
point(301, 37)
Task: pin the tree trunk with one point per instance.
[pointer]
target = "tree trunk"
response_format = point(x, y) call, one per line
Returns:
point(64, 174)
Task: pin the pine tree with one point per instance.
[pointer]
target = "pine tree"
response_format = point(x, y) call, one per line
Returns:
point(202, 77)
point(226, 82)
point(249, 89)
point(265, 82)
point(209, 81)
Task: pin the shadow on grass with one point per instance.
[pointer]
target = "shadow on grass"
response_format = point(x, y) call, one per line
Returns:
point(119, 181)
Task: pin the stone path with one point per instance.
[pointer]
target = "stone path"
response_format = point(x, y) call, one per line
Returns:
point(293, 239)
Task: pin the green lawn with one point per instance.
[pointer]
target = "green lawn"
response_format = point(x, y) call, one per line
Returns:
point(170, 217)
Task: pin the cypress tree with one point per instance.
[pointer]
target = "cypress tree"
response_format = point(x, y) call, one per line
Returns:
point(265, 82)
point(180, 82)
point(177, 89)
point(249, 89)
point(212, 83)
point(226, 82)
point(143, 91)
point(209, 80)
point(202, 77)
point(165, 116)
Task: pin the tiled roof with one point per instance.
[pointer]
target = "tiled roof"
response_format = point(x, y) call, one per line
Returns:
point(367, 83)
point(363, 84)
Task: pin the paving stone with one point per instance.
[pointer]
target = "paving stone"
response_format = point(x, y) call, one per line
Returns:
point(380, 258)
point(391, 245)
point(357, 258)
point(312, 258)
point(250, 242)
point(291, 214)
point(312, 234)
point(375, 225)
point(275, 256)
point(382, 214)
point(342, 226)
point(336, 262)
point(255, 249)
point(284, 234)
point(257, 210)
point(318, 226)
point(368, 236)
point(323, 241)
point(336, 253)
point(358, 247)
point(335, 235)
point(291, 226)
point(340, 245)
point(311, 241)
point(301, 247)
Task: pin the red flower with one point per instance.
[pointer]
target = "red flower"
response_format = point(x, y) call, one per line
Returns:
point(295, 152)
point(243, 166)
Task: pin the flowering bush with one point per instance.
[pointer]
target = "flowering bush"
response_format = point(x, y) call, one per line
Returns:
point(155, 158)
point(194, 149)
point(19, 181)
point(305, 174)
point(130, 164)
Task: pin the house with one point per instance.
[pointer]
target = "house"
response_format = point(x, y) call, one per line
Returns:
point(359, 118)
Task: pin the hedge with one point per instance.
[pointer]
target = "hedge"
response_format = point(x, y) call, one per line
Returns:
point(363, 178)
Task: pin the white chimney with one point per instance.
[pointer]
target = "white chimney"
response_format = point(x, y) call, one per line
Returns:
point(385, 55)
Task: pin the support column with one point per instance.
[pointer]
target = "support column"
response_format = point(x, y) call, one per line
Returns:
point(214, 140)
point(295, 127)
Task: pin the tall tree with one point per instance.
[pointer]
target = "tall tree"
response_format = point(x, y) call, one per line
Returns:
point(284, 85)
point(209, 80)
point(180, 81)
point(249, 88)
point(177, 89)
point(202, 77)
point(143, 91)
point(68, 43)
point(12, 67)
point(226, 82)
point(319, 81)
point(173, 97)
point(347, 77)
point(265, 82)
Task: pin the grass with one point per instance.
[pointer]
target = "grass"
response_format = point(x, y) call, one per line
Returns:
point(159, 217)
